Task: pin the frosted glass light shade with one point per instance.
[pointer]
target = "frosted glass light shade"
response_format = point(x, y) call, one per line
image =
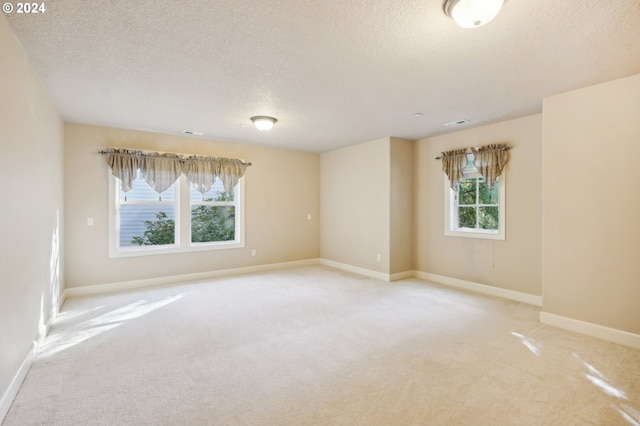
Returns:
point(472, 13)
point(263, 122)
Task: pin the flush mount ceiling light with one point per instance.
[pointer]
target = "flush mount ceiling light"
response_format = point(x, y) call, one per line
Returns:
point(472, 13)
point(263, 122)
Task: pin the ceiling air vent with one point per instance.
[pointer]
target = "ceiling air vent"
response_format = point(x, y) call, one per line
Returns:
point(192, 133)
point(456, 123)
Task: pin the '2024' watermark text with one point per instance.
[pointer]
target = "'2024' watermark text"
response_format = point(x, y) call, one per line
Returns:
point(24, 8)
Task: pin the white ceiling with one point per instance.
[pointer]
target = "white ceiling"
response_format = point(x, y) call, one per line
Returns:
point(334, 72)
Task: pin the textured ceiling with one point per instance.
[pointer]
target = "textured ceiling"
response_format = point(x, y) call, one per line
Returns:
point(334, 72)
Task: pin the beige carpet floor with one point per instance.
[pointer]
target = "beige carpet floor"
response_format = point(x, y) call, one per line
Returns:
point(317, 346)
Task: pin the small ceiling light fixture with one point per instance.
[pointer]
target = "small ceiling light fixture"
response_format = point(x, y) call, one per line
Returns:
point(263, 122)
point(472, 13)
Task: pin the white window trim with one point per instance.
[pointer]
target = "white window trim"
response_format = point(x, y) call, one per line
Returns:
point(489, 234)
point(183, 227)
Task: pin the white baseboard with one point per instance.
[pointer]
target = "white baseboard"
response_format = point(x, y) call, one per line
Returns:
point(11, 392)
point(482, 288)
point(590, 329)
point(14, 386)
point(356, 270)
point(199, 276)
point(402, 275)
point(176, 279)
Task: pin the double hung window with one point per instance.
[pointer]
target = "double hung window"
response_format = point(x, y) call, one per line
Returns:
point(474, 210)
point(180, 219)
point(213, 215)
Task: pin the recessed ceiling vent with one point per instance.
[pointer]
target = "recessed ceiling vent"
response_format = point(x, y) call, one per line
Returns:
point(192, 133)
point(456, 123)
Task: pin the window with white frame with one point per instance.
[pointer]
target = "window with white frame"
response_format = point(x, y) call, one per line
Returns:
point(145, 219)
point(178, 220)
point(213, 215)
point(474, 210)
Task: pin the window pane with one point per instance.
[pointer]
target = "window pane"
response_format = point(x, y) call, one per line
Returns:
point(488, 217)
point(141, 191)
point(467, 217)
point(488, 196)
point(467, 191)
point(213, 223)
point(216, 193)
point(146, 225)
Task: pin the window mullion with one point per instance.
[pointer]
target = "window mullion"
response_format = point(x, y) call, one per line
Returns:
point(147, 203)
point(456, 200)
point(184, 208)
point(477, 203)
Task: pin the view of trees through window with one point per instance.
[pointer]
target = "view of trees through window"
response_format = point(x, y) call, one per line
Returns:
point(477, 204)
point(213, 223)
point(208, 223)
point(159, 232)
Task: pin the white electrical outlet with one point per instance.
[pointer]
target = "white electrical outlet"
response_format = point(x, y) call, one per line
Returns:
point(309, 216)
point(379, 258)
point(253, 252)
point(89, 221)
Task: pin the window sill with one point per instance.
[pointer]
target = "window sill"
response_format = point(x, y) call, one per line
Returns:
point(475, 233)
point(174, 249)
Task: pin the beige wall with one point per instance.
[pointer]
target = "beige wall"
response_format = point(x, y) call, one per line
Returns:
point(355, 205)
point(32, 214)
point(366, 198)
point(281, 188)
point(401, 206)
point(513, 264)
point(592, 204)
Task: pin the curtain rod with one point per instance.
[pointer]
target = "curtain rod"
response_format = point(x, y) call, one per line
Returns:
point(506, 148)
point(105, 151)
